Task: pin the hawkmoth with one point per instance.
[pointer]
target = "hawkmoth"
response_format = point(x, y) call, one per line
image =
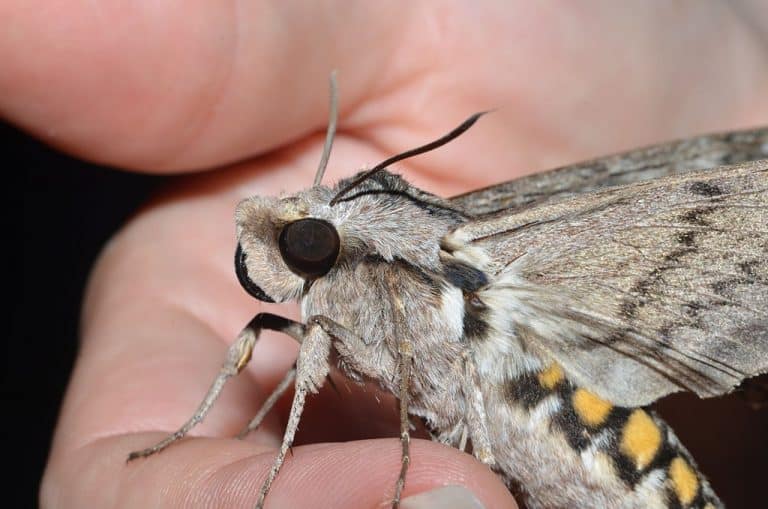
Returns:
point(533, 320)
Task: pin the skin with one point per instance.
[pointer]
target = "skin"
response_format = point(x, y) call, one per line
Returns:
point(145, 87)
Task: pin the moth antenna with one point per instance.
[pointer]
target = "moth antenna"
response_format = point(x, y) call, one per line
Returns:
point(455, 133)
point(331, 131)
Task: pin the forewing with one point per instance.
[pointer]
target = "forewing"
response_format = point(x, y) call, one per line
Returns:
point(643, 164)
point(640, 290)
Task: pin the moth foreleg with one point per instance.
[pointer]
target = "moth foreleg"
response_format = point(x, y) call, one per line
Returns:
point(238, 355)
point(312, 368)
point(270, 402)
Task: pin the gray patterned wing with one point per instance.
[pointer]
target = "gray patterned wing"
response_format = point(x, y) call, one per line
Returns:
point(648, 163)
point(639, 290)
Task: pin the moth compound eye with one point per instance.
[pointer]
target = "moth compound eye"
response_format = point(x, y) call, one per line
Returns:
point(309, 247)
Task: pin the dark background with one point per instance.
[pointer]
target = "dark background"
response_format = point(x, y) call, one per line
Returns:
point(63, 210)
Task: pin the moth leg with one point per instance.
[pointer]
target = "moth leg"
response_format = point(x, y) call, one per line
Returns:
point(476, 420)
point(356, 353)
point(238, 355)
point(312, 368)
point(404, 364)
point(456, 437)
point(463, 440)
point(273, 398)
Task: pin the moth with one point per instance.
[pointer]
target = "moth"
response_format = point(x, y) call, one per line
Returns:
point(531, 322)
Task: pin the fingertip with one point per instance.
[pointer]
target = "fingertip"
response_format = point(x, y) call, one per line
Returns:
point(362, 474)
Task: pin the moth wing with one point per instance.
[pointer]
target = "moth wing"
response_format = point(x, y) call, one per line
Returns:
point(640, 290)
point(638, 165)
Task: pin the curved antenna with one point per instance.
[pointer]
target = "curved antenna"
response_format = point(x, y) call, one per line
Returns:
point(331, 131)
point(410, 153)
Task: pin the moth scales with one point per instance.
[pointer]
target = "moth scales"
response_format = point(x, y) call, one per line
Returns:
point(535, 319)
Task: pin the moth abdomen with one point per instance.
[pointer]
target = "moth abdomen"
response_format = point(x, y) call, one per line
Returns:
point(628, 455)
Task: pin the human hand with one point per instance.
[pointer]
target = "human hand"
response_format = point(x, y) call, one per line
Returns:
point(142, 86)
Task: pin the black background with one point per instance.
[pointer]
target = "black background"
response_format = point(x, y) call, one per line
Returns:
point(63, 210)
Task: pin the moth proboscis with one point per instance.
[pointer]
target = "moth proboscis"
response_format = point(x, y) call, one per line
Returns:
point(542, 315)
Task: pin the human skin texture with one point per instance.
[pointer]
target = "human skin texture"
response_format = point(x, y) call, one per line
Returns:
point(241, 88)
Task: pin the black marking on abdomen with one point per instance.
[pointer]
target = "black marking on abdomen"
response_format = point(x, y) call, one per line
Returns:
point(526, 390)
point(566, 420)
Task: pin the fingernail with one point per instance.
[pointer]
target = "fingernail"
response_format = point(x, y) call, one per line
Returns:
point(449, 497)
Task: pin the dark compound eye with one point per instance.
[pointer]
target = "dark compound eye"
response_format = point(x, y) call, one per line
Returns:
point(309, 247)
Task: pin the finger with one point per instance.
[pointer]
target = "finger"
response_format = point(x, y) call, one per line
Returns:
point(227, 473)
point(143, 85)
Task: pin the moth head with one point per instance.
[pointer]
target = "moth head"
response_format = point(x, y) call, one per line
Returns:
point(283, 244)
point(286, 244)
